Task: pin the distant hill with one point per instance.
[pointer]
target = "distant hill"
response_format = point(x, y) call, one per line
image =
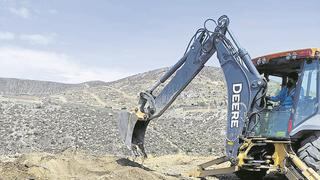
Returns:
point(12, 86)
point(51, 117)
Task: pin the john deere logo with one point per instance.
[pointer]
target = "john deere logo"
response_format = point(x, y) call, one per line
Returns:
point(235, 105)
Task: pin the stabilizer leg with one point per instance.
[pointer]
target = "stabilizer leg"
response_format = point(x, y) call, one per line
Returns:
point(200, 171)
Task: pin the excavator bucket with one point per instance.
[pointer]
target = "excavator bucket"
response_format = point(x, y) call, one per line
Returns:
point(132, 131)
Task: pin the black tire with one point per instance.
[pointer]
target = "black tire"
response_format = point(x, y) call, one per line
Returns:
point(251, 175)
point(309, 151)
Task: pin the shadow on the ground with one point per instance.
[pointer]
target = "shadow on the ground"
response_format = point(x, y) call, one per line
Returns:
point(271, 176)
point(128, 162)
point(275, 176)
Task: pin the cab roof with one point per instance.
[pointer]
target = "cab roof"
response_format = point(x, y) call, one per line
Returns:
point(288, 55)
point(282, 63)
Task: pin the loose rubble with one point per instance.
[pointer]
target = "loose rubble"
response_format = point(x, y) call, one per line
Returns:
point(84, 116)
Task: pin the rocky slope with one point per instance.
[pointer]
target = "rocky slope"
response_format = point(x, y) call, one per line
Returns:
point(51, 117)
point(11, 86)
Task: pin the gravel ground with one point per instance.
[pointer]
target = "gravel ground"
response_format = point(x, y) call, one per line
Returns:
point(84, 116)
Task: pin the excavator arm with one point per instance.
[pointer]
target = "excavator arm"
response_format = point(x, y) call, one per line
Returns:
point(245, 88)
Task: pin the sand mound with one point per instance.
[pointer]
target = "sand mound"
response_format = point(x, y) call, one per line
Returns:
point(70, 165)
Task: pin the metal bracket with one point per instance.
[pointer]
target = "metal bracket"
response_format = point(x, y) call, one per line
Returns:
point(146, 97)
point(200, 171)
point(306, 171)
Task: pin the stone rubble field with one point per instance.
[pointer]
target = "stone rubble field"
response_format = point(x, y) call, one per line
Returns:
point(84, 116)
point(46, 125)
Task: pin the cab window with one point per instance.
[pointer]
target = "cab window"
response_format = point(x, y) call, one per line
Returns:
point(307, 103)
point(274, 85)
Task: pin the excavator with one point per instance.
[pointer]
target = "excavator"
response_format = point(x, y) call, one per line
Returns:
point(260, 137)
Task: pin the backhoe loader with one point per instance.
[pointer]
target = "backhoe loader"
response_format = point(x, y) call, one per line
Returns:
point(260, 136)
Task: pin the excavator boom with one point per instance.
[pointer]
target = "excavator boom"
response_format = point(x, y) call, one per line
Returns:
point(245, 88)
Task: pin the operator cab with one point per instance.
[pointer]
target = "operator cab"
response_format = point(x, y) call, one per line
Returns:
point(277, 121)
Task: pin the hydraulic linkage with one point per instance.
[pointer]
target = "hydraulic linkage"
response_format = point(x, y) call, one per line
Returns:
point(245, 87)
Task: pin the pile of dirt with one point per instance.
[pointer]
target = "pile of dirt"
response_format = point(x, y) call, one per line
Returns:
point(79, 165)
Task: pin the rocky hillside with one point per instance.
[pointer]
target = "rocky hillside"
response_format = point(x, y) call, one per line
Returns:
point(51, 117)
point(11, 86)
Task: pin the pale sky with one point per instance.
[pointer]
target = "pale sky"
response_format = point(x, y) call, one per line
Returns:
point(75, 40)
